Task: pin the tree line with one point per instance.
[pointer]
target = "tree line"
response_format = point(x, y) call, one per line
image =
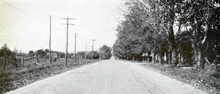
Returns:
point(18, 58)
point(103, 53)
point(176, 32)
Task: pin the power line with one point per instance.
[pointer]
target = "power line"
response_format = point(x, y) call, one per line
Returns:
point(21, 10)
point(26, 13)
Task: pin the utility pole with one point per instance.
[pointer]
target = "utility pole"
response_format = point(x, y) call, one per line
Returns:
point(50, 42)
point(93, 48)
point(67, 25)
point(86, 51)
point(75, 49)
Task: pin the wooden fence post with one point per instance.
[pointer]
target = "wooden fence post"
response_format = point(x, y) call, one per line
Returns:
point(22, 59)
point(52, 57)
point(45, 59)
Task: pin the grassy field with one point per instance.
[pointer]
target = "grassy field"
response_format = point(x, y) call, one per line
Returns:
point(14, 78)
point(206, 79)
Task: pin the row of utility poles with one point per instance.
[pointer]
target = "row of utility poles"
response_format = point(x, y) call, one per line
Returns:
point(67, 35)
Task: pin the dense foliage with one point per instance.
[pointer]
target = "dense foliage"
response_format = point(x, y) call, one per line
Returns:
point(5, 51)
point(177, 32)
point(105, 52)
point(93, 55)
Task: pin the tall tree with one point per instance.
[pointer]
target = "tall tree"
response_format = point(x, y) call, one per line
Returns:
point(5, 51)
point(156, 24)
point(105, 52)
point(198, 21)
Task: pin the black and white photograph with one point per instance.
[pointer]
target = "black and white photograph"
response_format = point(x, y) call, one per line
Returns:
point(109, 46)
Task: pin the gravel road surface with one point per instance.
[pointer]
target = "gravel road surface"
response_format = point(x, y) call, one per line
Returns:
point(109, 77)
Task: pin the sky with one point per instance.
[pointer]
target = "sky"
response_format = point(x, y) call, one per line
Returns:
point(24, 24)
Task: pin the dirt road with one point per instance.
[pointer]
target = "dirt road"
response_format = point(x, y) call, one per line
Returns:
point(109, 77)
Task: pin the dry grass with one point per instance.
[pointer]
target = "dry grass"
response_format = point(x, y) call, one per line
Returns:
point(14, 78)
point(205, 79)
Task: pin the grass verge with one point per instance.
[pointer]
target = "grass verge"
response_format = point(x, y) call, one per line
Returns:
point(19, 77)
point(205, 79)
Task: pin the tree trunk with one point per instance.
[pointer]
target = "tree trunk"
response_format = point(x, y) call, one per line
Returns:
point(160, 59)
point(174, 59)
point(170, 57)
point(153, 57)
point(148, 57)
point(171, 35)
point(166, 57)
point(5, 61)
point(198, 53)
point(4, 64)
point(180, 58)
point(200, 62)
point(157, 59)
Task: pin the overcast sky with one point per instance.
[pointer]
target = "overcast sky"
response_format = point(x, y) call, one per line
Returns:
point(24, 24)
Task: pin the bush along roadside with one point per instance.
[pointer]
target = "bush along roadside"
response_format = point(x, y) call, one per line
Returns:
point(204, 79)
